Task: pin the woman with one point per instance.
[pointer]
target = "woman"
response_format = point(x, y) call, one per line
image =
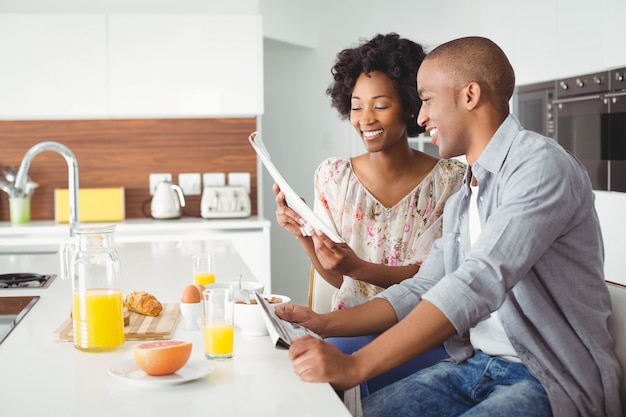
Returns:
point(386, 203)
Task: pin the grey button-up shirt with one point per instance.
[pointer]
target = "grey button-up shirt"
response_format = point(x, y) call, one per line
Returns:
point(539, 260)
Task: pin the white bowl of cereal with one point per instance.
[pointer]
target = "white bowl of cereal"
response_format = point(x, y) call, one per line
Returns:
point(248, 317)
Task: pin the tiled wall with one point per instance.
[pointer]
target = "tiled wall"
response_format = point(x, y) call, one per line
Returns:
point(122, 153)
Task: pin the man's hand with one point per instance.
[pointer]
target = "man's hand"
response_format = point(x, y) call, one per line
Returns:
point(314, 360)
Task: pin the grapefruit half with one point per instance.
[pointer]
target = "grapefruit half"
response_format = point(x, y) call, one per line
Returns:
point(161, 357)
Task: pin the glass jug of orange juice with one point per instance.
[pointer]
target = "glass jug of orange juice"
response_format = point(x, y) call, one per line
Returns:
point(92, 262)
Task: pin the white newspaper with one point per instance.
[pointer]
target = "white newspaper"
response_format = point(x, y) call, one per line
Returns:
point(294, 201)
point(281, 332)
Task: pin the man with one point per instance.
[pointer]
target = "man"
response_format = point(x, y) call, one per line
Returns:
point(514, 288)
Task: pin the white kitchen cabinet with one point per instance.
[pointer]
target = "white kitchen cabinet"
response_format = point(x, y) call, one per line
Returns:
point(191, 65)
point(52, 66)
point(77, 66)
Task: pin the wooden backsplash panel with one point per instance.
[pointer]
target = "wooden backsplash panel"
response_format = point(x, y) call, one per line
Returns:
point(122, 153)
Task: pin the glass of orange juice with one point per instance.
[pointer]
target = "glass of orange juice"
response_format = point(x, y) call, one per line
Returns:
point(204, 268)
point(219, 328)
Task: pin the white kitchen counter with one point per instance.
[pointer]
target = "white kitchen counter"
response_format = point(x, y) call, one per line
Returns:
point(250, 237)
point(40, 377)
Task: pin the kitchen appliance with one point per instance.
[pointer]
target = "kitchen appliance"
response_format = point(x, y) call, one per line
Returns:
point(534, 107)
point(167, 201)
point(591, 123)
point(12, 311)
point(586, 114)
point(25, 280)
point(581, 129)
point(225, 202)
point(616, 98)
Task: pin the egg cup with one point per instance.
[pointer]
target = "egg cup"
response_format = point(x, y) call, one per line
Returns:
point(192, 312)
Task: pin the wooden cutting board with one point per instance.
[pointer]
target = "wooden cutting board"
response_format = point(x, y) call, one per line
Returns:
point(141, 327)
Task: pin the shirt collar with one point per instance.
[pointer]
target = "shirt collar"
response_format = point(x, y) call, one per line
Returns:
point(493, 156)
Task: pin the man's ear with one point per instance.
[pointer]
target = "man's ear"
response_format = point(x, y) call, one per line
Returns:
point(472, 95)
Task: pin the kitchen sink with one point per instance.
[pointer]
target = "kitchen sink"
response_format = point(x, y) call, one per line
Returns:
point(12, 311)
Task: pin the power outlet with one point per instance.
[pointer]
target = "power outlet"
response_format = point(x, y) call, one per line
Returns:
point(155, 179)
point(189, 182)
point(241, 179)
point(217, 179)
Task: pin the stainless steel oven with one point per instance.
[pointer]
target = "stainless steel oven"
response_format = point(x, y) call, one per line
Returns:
point(591, 123)
point(586, 114)
point(534, 108)
point(581, 123)
point(616, 100)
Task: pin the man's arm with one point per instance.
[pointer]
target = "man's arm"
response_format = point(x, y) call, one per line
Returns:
point(423, 329)
point(373, 317)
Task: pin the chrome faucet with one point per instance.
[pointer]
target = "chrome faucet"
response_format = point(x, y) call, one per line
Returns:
point(72, 174)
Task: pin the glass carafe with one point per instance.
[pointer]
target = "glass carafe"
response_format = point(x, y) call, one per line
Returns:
point(92, 262)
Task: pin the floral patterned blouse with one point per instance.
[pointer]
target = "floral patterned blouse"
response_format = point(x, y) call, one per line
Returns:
point(394, 236)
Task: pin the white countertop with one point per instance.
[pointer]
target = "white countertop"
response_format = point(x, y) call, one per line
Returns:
point(249, 236)
point(40, 377)
point(49, 232)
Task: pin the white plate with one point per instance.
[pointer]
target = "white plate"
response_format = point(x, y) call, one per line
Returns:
point(129, 372)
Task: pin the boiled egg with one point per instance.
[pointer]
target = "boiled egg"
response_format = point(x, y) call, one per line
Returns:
point(190, 295)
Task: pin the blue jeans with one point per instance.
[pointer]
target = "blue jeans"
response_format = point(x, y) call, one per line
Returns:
point(350, 345)
point(480, 386)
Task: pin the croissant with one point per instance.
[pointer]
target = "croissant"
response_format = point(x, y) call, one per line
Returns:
point(143, 303)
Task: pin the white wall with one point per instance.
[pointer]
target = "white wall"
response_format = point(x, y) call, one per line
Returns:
point(130, 6)
point(544, 39)
point(610, 207)
point(291, 21)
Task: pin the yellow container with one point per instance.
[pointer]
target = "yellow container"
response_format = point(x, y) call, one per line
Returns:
point(94, 205)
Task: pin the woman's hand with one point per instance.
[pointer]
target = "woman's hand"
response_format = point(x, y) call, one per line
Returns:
point(301, 315)
point(338, 258)
point(286, 217)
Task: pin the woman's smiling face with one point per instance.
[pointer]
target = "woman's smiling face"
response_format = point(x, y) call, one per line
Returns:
point(377, 112)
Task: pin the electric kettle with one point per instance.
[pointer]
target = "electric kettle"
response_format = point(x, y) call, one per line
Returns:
point(167, 201)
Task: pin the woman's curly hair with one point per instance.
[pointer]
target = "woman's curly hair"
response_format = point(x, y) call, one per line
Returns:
point(396, 57)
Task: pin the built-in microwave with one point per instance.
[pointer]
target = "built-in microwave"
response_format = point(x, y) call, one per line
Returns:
point(534, 108)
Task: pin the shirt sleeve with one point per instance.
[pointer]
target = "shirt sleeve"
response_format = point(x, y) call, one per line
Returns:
point(524, 210)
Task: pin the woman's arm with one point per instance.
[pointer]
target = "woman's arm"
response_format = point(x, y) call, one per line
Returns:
point(291, 221)
point(340, 259)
